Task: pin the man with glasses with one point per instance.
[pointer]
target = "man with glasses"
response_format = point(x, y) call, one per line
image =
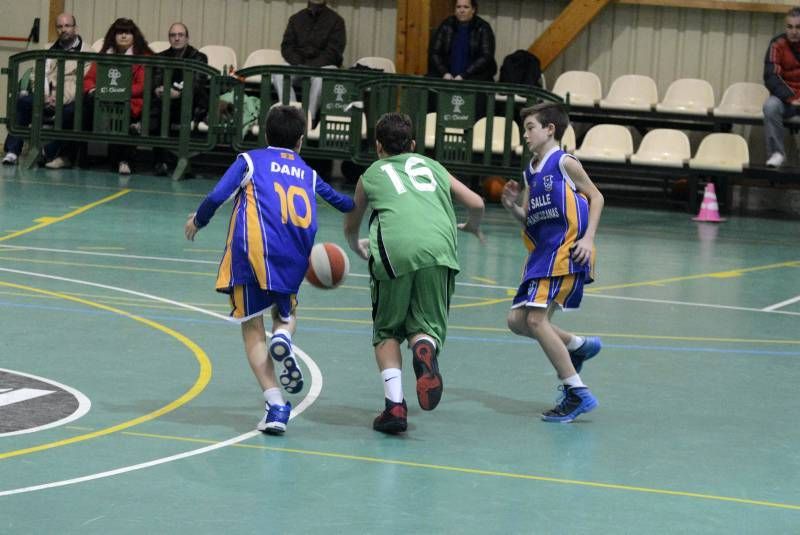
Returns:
point(179, 48)
point(782, 78)
point(69, 41)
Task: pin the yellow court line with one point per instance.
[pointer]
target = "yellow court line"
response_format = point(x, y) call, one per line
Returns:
point(717, 274)
point(203, 376)
point(476, 471)
point(46, 221)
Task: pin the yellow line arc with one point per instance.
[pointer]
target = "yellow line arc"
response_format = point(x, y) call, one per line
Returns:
point(203, 376)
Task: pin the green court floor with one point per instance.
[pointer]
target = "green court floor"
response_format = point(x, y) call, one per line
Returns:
point(100, 293)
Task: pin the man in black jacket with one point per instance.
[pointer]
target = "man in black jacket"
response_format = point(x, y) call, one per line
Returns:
point(463, 46)
point(315, 37)
point(179, 49)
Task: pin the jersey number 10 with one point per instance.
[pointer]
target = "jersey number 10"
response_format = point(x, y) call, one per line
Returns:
point(288, 210)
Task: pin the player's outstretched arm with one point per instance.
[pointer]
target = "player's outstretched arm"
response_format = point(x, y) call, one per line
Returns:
point(582, 252)
point(340, 201)
point(352, 223)
point(190, 228)
point(513, 199)
point(474, 205)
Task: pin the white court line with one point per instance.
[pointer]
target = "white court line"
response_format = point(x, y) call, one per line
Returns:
point(771, 309)
point(83, 404)
point(308, 400)
point(782, 304)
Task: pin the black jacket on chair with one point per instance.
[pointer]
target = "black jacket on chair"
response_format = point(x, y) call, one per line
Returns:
point(481, 49)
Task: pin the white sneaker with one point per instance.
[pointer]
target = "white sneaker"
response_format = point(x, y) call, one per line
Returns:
point(58, 163)
point(776, 160)
point(10, 159)
point(124, 168)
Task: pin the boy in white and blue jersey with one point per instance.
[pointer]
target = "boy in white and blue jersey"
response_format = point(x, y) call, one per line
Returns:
point(270, 236)
point(560, 209)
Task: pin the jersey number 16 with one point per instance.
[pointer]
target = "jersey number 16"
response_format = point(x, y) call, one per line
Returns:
point(419, 174)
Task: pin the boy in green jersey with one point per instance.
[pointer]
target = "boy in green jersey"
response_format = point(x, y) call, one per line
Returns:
point(412, 260)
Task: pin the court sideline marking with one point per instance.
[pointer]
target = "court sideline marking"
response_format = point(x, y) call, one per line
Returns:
point(310, 398)
point(47, 221)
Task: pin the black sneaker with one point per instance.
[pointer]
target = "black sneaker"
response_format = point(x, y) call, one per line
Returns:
point(429, 380)
point(161, 169)
point(574, 402)
point(393, 419)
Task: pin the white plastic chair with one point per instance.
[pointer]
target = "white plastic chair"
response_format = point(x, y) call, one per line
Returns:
point(584, 87)
point(721, 152)
point(158, 46)
point(631, 92)
point(498, 135)
point(663, 147)
point(97, 46)
point(314, 133)
point(221, 57)
point(743, 99)
point(606, 143)
point(262, 56)
point(377, 62)
point(568, 142)
point(688, 95)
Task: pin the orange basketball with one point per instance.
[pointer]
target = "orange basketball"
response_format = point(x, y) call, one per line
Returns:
point(328, 266)
point(493, 188)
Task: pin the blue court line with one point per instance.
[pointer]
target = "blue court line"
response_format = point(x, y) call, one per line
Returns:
point(510, 339)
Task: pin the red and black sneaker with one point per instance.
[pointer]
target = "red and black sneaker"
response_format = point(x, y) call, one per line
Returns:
point(429, 380)
point(393, 419)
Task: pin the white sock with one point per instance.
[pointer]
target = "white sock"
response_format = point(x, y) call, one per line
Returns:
point(575, 342)
point(392, 384)
point(274, 396)
point(573, 381)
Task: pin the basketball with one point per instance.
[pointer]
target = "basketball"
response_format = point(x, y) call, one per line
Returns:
point(328, 266)
point(493, 188)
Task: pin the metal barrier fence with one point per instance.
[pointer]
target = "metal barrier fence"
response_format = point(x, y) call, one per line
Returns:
point(111, 113)
point(470, 127)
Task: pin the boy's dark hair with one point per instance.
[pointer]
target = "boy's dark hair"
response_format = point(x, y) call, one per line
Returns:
point(285, 126)
point(394, 132)
point(794, 12)
point(548, 113)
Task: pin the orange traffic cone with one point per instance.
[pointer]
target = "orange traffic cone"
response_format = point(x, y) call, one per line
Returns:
point(709, 209)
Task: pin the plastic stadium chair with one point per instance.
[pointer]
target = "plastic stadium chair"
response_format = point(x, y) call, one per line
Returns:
point(743, 99)
point(631, 92)
point(663, 147)
point(221, 57)
point(376, 62)
point(97, 46)
point(584, 88)
point(158, 46)
point(606, 143)
point(498, 135)
point(262, 56)
point(688, 95)
point(568, 142)
point(721, 152)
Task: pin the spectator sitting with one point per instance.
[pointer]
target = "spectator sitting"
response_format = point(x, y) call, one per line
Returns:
point(68, 41)
point(315, 37)
point(463, 46)
point(782, 78)
point(180, 49)
point(123, 37)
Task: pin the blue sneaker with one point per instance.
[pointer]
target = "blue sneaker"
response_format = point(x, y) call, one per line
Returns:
point(275, 419)
point(280, 349)
point(574, 402)
point(591, 347)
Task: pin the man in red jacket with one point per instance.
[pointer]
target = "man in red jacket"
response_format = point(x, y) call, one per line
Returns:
point(782, 78)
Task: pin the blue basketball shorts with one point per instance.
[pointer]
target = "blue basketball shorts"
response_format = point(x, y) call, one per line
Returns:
point(566, 291)
point(249, 301)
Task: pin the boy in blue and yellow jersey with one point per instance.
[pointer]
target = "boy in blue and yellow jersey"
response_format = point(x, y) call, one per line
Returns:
point(412, 260)
point(270, 236)
point(560, 214)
